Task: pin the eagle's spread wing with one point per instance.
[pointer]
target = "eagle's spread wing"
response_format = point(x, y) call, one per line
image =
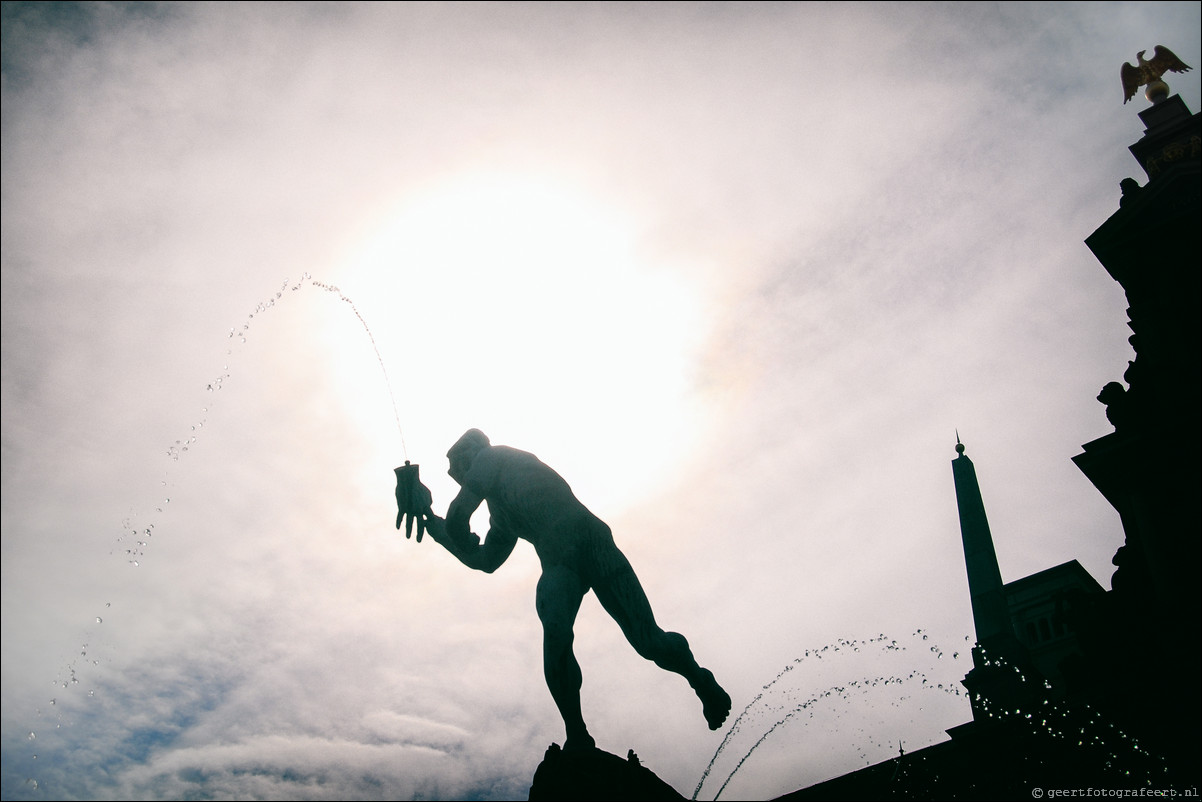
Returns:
point(1164, 61)
point(1132, 80)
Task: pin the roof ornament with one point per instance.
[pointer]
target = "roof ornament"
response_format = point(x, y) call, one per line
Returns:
point(1148, 74)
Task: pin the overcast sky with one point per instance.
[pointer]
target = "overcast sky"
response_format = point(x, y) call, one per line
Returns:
point(739, 272)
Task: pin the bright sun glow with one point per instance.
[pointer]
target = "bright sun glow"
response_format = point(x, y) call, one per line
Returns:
point(522, 307)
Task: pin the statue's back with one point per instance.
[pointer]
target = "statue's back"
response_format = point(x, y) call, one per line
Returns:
point(523, 492)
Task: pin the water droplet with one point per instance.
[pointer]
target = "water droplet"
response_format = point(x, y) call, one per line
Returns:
point(33, 736)
point(99, 620)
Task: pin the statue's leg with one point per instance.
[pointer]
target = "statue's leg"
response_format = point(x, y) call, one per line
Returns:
point(622, 596)
point(557, 600)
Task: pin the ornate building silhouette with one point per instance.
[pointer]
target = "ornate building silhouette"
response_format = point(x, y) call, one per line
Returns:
point(1073, 686)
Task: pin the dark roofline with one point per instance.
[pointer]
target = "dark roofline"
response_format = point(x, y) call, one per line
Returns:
point(1070, 568)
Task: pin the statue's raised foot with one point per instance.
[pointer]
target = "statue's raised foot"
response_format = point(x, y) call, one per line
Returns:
point(714, 700)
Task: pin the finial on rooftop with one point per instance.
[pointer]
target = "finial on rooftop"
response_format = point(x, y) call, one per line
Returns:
point(1148, 74)
point(959, 445)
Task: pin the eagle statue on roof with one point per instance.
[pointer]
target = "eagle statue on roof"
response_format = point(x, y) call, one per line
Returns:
point(1149, 72)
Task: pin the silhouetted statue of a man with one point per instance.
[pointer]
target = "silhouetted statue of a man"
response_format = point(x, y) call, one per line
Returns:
point(528, 500)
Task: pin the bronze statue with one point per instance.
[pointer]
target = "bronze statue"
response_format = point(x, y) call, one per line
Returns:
point(528, 500)
point(1148, 73)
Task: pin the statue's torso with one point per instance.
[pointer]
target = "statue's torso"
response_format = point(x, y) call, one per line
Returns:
point(529, 499)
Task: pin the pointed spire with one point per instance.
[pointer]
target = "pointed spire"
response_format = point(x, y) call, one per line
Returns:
point(990, 614)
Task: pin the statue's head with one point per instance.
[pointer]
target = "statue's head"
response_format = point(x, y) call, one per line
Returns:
point(464, 451)
point(1112, 392)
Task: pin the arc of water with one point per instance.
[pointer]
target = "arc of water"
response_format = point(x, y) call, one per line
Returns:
point(842, 645)
point(175, 450)
point(379, 358)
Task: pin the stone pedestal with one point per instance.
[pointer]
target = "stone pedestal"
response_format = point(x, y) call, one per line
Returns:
point(596, 775)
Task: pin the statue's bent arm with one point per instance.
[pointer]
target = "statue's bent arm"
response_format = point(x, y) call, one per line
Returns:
point(456, 536)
